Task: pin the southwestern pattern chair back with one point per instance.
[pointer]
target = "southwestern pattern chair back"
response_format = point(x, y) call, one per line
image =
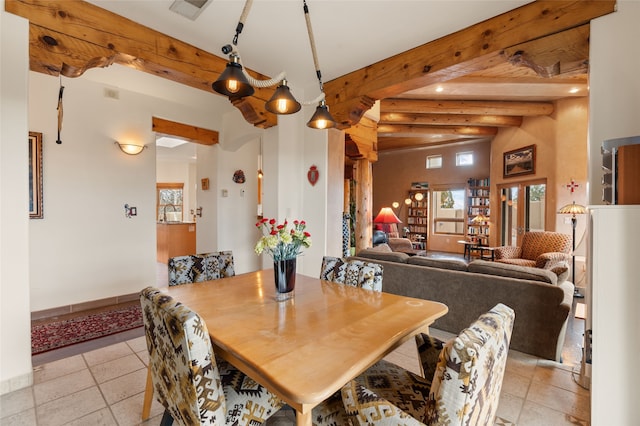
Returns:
point(461, 388)
point(540, 249)
point(195, 268)
point(355, 273)
point(194, 388)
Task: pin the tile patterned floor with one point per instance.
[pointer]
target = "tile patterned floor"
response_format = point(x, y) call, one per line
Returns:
point(106, 387)
point(101, 383)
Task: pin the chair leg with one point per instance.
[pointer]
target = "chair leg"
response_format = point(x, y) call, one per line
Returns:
point(148, 396)
point(167, 420)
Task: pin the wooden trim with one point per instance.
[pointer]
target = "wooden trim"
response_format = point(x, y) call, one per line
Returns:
point(184, 131)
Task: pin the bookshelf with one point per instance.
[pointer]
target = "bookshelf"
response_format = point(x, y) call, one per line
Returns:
point(418, 218)
point(478, 211)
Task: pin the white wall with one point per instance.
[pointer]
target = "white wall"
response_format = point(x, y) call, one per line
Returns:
point(15, 336)
point(614, 111)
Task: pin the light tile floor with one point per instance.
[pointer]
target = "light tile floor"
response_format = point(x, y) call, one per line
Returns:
point(106, 387)
point(83, 386)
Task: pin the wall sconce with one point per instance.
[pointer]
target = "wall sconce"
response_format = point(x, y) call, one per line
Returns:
point(130, 148)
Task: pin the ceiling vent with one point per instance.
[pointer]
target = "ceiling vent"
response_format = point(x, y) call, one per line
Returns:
point(189, 8)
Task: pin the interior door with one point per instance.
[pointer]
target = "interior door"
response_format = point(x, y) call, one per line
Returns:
point(522, 209)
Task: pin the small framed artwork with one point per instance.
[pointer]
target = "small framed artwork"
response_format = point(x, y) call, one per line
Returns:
point(205, 184)
point(521, 161)
point(35, 175)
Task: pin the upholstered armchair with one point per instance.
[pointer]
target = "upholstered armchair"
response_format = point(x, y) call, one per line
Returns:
point(194, 387)
point(540, 249)
point(356, 273)
point(461, 384)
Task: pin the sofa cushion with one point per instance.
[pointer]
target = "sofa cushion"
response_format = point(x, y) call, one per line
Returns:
point(513, 271)
point(388, 256)
point(456, 265)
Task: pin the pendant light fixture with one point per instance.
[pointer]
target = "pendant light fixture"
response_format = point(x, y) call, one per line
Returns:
point(282, 101)
point(235, 82)
point(232, 82)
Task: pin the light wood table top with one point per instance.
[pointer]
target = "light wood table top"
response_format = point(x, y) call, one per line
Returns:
point(306, 348)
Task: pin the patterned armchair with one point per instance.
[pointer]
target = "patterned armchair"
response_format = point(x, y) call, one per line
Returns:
point(195, 268)
point(541, 249)
point(355, 273)
point(194, 387)
point(461, 388)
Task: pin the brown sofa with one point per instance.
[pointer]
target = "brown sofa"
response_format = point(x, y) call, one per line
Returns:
point(541, 298)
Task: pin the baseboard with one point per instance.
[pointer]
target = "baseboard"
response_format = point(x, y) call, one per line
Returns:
point(16, 383)
point(84, 306)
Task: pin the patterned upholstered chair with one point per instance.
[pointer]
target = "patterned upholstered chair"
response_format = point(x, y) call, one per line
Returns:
point(194, 387)
point(540, 249)
point(355, 273)
point(461, 388)
point(195, 268)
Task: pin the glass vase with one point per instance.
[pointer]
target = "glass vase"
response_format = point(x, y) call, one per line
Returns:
point(284, 272)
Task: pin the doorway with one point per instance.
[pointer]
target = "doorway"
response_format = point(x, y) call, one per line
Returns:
point(522, 209)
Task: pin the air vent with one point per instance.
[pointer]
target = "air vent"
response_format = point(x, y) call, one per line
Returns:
point(189, 8)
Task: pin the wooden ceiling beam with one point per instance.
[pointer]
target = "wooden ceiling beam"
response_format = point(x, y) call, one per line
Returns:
point(401, 105)
point(70, 36)
point(476, 47)
point(450, 119)
point(408, 129)
point(184, 131)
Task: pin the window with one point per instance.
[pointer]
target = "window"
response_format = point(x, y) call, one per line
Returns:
point(434, 161)
point(464, 158)
point(169, 201)
point(448, 211)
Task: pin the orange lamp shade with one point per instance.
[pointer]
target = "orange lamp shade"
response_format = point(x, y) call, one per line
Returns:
point(386, 215)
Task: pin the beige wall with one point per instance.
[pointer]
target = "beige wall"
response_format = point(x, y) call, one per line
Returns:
point(561, 155)
point(394, 172)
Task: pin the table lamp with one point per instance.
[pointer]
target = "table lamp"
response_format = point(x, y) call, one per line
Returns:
point(387, 218)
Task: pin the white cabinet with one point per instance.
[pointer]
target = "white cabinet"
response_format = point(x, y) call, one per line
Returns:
point(613, 302)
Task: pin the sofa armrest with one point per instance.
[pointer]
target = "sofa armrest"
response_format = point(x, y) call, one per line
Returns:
point(507, 252)
point(552, 259)
point(400, 244)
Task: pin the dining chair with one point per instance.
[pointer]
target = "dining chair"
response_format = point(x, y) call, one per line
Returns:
point(356, 273)
point(194, 387)
point(195, 268)
point(461, 388)
point(189, 269)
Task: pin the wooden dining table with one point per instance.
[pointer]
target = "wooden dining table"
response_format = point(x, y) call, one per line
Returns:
point(306, 348)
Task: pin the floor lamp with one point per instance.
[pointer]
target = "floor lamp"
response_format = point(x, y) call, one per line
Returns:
point(573, 209)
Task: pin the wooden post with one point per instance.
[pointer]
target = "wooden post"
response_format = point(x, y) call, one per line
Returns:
point(364, 204)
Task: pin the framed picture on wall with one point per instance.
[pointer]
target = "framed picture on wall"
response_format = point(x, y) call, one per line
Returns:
point(521, 161)
point(35, 175)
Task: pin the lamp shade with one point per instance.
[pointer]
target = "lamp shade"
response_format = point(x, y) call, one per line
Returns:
point(282, 101)
point(130, 148)
point(573, 209)
point(321, 119)
point(386, 215)
point(232, 82)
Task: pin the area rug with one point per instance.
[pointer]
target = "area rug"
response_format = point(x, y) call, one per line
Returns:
point(57, 334)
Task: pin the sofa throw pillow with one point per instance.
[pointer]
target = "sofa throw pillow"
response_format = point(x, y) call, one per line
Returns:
point(381, 248)
point(513, 271)
point(562, 273)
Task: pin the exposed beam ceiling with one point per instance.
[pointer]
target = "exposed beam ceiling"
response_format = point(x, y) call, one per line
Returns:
point(500, 70)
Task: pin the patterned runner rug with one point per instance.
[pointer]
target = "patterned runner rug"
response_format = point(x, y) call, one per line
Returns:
point(56, 334)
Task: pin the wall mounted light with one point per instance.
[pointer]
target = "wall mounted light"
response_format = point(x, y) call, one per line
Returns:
point(130, 148)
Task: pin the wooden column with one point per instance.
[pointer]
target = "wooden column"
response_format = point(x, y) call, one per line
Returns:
point(364, 204)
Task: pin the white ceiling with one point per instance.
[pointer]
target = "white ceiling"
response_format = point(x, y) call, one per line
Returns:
point(349, 34)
